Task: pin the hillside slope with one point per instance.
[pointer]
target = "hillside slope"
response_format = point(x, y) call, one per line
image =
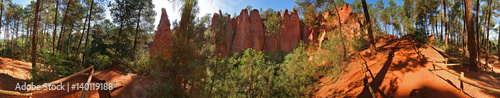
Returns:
point(398, 71)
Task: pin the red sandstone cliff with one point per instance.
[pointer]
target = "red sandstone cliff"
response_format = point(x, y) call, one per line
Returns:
point(248, 30)
point(162, 37)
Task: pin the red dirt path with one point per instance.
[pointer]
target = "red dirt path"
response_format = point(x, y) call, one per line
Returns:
point(124, 84)
point(398, 71)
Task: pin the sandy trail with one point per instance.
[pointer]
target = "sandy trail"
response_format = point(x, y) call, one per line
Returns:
point(398, 71)
point(125, 84)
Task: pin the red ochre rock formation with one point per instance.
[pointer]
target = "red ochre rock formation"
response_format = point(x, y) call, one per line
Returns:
point(243, 38)
point(218, 24)
point(247, 30)
point(162, 37)
point(271, 41)
point(256, 30)
point(290, 32)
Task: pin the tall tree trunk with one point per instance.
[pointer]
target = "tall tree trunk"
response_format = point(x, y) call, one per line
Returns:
point(432, 28)
point(477, 33)
point(119, 31)
point(464, 41)
point(5, 35)
point(88, 31)
point(55, 28)
point(445, 24)
point(45, 33)
point(136, 33)
point(498, 45)
point(369, 26)
point(17, 32)
point(436, 27)
point(81, 37)
point(1, 14)
point(441, 33)
point(35, 30)
point(470, 36)
point(344, 50)
point(488, 34)
point(12, 40)
point(69, 37)
point(119, 36)
point(27, 37)
point(61, 34)
point(68, 40)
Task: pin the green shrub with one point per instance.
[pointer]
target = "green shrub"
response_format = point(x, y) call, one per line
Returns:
point(296, 74)
point(100, 61)
point(253, 77)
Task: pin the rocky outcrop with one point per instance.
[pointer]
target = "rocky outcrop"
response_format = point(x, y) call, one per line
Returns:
point(229, 32)
point(256, 30)
point(271, 40)
point(305, 32)
point(345, 13)
point(290, 32)
point(350, 25)
point(243, 38)
point(219, 36)
point(249, 32)
point(162, 37)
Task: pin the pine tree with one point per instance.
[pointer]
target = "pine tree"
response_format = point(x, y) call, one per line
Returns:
point(470, 35)
point(369, 26)
point(34, 37)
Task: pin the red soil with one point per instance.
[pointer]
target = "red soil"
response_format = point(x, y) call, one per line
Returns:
point(399, 71)
point(124, 84)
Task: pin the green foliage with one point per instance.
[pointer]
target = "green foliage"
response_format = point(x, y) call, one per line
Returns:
point(52, 67)
point(273, 24)
point(494, 47)
point(249, 7)
point(253, 77)
point(296, 75)
point(279, 57)
point(439, 44)
point(419, 36)
point(38, 75)
point(100, 61)
point(141, 62)
point(309, 9)
point(13, 50)
point(218, 76)
point(360, 43)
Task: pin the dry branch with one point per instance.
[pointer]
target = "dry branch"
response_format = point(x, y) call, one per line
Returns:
point(14, 93)
point(88, 81)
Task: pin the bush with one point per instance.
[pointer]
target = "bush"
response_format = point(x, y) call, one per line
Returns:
point(296, 74)
point(253, 77)
point(360, 43)
point(100, 61)
point(53, 65)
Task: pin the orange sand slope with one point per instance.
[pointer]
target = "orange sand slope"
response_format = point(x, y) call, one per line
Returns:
point(398, 71)
point(124, 84)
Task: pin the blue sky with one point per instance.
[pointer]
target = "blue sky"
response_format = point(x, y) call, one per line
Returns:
point(213, 6)
point(226, 6)
point(233, 6)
